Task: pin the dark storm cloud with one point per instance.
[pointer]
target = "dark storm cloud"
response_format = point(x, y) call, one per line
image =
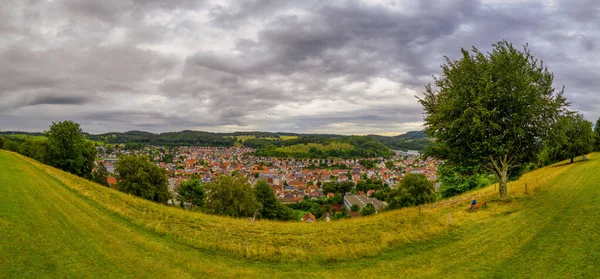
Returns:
point(59, 100)
point(299, 66)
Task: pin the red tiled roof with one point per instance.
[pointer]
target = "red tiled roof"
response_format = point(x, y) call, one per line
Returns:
point(308, 216)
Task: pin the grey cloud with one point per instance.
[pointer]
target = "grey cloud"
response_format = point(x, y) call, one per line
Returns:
point(267, 65)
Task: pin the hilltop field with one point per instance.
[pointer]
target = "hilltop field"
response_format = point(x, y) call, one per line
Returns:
point(54, 224)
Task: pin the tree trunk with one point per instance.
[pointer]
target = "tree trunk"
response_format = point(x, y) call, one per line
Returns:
point(503, 184)
point(501, 167)
point(572, 160)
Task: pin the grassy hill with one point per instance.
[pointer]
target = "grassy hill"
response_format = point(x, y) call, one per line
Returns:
point(305, 148)
point(53, 224)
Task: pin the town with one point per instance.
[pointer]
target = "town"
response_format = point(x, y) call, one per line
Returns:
point(292, 180)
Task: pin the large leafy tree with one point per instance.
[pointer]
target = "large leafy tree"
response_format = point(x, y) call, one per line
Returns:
point(69, 150)
point(138, 176)
point(491, 110)
point(271, 208)
point(231, 196)
point(575, 136)
point(191, 191)
point(413, 189)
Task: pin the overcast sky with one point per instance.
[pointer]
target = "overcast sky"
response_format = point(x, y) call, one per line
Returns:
point(348, 67)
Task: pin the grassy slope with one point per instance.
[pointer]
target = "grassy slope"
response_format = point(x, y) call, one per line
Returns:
point(72, 228)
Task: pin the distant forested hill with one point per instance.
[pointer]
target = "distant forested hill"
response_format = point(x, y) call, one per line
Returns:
point(273, 144)
point(414, 140)
point(181, 138)
point(315, 146)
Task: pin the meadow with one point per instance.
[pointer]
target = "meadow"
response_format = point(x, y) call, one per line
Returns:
point(55, 224)
point(305, 148)
point(241, 139)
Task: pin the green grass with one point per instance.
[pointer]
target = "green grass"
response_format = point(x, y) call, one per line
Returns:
point(305, 148)
point(53, 224)
point(288, 137)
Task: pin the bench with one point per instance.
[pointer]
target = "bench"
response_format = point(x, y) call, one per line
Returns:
point(475, 206)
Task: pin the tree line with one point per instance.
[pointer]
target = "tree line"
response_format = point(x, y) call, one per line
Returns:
point(64, 147)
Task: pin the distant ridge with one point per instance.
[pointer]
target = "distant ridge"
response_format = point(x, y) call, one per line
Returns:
point(415, 140)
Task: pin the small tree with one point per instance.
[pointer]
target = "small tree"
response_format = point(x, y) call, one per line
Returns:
point(1, 142)
point(231, 196)
point(354, 208)
point(100, 175)
point(369, 209)
point(491, 110)
point(413, 189)
point(192, 192)
point(138, 176)
point(575, 136)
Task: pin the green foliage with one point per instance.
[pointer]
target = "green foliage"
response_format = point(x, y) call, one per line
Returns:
point(413, 189)
point(369, 209)
point(597, 135)
point(414, 140)
point(338, 188)
point(1, 142)
point(573, 136)
point(369, 184)
point(231, 196)
point(138, 176)
point(68, 149)
point(383, 194)
point(354, 208)
point(191, 191)
point(369, 164)
point(455, 182)
point(11, 145)
point(100, 175)
point(491, 110)
point(389, 165)
point(271, 207)
point(35, 149)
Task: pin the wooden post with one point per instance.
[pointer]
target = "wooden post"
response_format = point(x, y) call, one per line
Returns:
point(525, 187)
point(450, 218)
point(419, 209)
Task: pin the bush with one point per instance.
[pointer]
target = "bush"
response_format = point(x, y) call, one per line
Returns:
point(413, 189)
point(369, 209)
